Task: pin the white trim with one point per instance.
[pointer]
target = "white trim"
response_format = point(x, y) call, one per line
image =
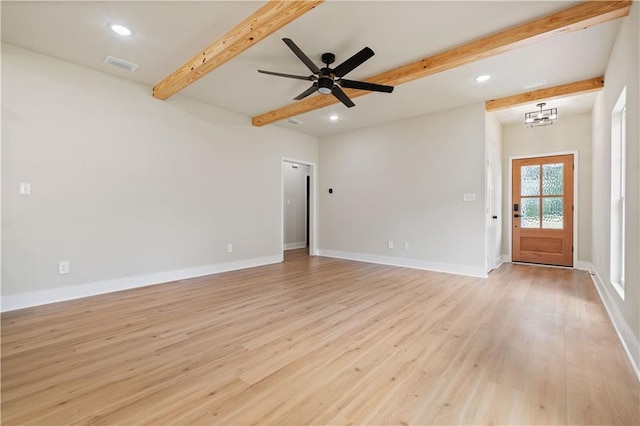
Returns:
point(473, 271)
point(499, 260)
point(307, 196)
point(12, 302)
point(629, 342)
point(490, 165)
point(583, 265)
point(293, 246)
point(575, 197)
point(619, 288)
point(313, 203)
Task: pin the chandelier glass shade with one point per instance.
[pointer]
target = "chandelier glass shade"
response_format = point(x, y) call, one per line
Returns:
point(542, 117)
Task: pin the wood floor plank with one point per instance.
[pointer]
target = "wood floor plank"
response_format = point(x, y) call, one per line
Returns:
point(323, 341)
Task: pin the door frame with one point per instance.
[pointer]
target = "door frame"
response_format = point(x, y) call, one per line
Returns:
point(508, 215)
point(313, 204)
point(493, 258)
point(307, 204)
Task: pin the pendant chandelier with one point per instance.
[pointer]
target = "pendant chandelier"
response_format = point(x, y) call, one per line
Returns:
point(542, 117)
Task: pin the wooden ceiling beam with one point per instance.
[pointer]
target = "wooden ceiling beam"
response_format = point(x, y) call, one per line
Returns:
point(584, 86)
point(263, 22)
point(581, 16)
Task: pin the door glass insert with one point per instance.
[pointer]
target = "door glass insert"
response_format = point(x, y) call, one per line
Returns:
point(529, 180)
point(552, 178)
point(530, 212)
point(552, 212)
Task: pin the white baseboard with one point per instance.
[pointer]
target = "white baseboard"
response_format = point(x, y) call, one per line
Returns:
point(496, 264)
point(293, 246)
point(583, 265)
point(474, 271)
point(629, 341)
point(12, 302)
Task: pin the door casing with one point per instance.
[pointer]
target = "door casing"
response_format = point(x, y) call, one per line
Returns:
point(313, 203)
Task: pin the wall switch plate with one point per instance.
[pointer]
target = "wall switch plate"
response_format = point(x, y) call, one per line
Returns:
point(406, 246)
point(229, 248)
point(63, 267)
point(470, 197)
point(25, 188)
point(390, 244)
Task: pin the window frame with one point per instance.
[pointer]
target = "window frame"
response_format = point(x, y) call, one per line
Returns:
point(618, 194)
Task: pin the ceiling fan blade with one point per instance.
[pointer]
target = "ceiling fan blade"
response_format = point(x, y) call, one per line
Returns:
point(353, 62)
point(307, 92)
point(279, 74)
point(363, 85)
point(300, 54)
point(342, 97)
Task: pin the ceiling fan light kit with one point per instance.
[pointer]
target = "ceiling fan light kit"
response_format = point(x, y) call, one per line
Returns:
point(542, 117)
point(329, 80)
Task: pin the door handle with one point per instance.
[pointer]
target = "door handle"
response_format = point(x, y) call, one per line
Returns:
point(494, 217)
point(516, 215)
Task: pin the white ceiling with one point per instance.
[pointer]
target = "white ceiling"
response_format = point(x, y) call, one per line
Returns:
point(167, 34)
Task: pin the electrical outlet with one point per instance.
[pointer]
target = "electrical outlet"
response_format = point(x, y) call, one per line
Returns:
point(229, 248)
point(63, 267)
point(406, 246)
point(389, 244)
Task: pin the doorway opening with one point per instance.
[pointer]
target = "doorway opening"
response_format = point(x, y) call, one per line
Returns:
point(542, 210)
point(298, 208)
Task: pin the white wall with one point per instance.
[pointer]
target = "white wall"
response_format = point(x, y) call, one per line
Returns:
point(294, 178)
point(404, 181)
point(131, 190)
point(623, 70)
point(567, 134)
point(495, 171)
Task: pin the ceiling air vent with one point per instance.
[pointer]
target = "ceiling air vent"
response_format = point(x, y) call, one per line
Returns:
point(294, 121)
point(533, 84)
point(121, 63)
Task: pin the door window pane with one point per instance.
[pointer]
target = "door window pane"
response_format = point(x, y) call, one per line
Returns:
point(552, 209)
point(530, 213)
point(552, 179)
point(530, 180)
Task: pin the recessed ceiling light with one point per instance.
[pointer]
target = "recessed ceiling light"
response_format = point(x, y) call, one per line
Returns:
point(483, 78)
point(120, 29)
point(333, 117)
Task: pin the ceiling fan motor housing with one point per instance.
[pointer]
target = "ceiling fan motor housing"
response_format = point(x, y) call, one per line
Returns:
point(325, 84)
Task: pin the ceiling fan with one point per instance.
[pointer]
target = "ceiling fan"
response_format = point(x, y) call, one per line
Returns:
point(328, 80)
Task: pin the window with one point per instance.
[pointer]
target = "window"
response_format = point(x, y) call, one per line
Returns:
point(618, 187)
point(542, 191)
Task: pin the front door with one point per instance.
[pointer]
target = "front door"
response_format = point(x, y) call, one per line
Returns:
point(542, 210)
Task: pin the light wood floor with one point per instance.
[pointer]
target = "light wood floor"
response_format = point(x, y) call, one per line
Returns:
point(323, 341)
